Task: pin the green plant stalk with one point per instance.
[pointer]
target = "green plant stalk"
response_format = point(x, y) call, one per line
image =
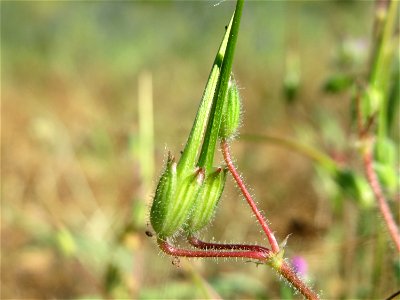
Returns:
point(382, 64)
point(192, 147)
point(393, 111)
point(208, 149)
point(324, 160)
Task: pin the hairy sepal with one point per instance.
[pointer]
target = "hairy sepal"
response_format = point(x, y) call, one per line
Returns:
point(207, 201)
point(165, 192)
point(231, 112)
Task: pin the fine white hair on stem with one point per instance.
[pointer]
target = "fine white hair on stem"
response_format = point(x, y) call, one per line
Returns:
point(217, 4)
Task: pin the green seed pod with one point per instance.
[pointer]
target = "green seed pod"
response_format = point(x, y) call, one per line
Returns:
point(231, 112)
point(164, 193)
point(177, 208)
point(208, 200)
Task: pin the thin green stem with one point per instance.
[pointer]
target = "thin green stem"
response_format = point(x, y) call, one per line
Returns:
point(379, 72)
point(312, 153)
point(382, 64)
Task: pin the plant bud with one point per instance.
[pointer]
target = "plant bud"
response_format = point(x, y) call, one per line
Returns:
point(169, 217)
point(165, 192)
point(208, 200)
point(231, 112)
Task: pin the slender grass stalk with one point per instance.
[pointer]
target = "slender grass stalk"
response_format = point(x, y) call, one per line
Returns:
point(382, 64)
point(310, 152)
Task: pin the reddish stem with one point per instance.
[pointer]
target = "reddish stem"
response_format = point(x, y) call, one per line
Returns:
point(246, 194)
point(373, 178)
point(376, 188)
point(285, 270)
point(205, 245)
point(171, 250)
point(291, 276)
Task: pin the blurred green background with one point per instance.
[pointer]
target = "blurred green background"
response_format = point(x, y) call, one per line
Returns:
point(95, 93)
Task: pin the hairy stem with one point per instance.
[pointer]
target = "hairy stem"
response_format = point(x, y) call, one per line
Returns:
point(285, 270)
point(195, 242)
point(172, 250)
point(376, 188)
point(250, 201)
point(368, 160)
point(290, 275)
point(281, 266)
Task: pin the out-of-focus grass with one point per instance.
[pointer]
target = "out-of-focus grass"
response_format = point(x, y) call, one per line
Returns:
point(70, 183)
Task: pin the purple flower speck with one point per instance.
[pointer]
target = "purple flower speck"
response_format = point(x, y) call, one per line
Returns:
point(300, 265)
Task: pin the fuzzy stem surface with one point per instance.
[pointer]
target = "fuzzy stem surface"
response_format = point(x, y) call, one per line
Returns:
point(380, 197)
point(217, 246)
point(368, 160)
point(172, 250)
point(285, 270)
point(246, 194)
point(290, 275)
